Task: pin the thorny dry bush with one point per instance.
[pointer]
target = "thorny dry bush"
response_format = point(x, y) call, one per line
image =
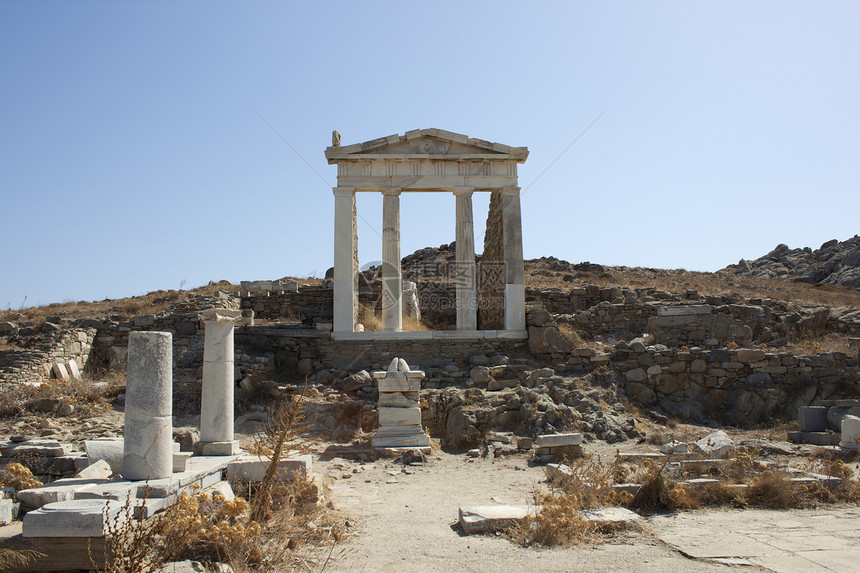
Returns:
point(743, 482)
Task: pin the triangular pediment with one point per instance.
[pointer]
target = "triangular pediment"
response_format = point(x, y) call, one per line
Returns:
point(424, 143)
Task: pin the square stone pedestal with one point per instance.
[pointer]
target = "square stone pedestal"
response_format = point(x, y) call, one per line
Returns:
point(230, 448)
point(399, 409)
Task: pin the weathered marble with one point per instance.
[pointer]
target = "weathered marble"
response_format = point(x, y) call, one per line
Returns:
point(148, 435)
point(345, 269)
point(425, 160)
point(216, 410)
point(515, 299)
point(466, 281)
point(392, 290)
point(399, 410)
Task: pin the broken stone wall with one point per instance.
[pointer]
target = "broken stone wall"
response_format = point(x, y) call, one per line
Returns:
point(491, 276)
point(33, 366)
point(309, 304)
point(736, 387)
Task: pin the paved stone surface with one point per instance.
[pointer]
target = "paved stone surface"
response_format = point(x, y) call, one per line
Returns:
point(782, 541)
point(406, 521)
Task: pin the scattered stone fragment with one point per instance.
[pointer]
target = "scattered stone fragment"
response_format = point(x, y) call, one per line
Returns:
point(716, 445)
point(482, 518)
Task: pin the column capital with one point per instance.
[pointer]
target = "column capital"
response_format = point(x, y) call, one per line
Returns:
point(463, 191)
point(391, 190)
point(220, 315)
point(343, 191)
point(510, 191)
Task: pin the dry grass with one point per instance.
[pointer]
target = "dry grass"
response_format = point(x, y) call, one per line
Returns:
point(14, 558)
point(743, 482)
point(372, 321)
point(86, 397)
point(679, 280)
point(831, 342)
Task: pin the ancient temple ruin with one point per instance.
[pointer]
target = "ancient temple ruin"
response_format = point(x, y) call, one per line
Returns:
point(433, 160)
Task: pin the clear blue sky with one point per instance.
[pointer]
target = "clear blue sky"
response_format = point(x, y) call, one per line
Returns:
point(132, 155)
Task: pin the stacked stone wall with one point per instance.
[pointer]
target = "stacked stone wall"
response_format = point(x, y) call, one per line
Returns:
point(736, 387)
point(692, 319)
point(308, 304)
point(33, 366)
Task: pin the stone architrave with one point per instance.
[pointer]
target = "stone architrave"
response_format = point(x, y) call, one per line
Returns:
point(399, 409)
point(392, 290)
point(465, 278)
point(216, 409)
point(148, 435)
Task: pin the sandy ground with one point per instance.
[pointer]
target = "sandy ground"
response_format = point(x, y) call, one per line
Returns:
point(405, 520)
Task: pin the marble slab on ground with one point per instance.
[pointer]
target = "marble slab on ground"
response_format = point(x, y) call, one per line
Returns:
point(200, 471)
point(482, 518)
point(77, 518)
point(782, 541)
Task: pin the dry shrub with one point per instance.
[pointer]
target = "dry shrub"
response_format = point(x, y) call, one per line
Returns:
point(657, 438)
point(835, 468)
point(560, 520)
point(16, 476)
point(743, 463)
point(285, 424)
point(210, 528)
point(772, 490)
point(132, 546)
point(654, 495)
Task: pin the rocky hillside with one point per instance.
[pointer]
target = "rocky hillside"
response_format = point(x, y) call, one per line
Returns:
point(834, 262)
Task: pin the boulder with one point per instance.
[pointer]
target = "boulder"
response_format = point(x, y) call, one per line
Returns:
point(546, 340)
point(641, 393)
point(716, 445)
point(480, 374)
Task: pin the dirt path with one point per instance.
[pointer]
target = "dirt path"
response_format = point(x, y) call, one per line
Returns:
point(404, 522)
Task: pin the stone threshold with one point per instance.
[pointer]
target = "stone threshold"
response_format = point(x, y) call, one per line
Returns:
point(453, 335)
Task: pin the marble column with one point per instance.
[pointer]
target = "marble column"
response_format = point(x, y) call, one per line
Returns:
point(148, 433)
point(512, 238)
point(216, 408)
point(465, 281)
point(392, 295)
point(345, 268)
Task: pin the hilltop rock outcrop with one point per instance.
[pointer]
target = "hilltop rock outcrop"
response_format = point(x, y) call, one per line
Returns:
point(834, 262)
